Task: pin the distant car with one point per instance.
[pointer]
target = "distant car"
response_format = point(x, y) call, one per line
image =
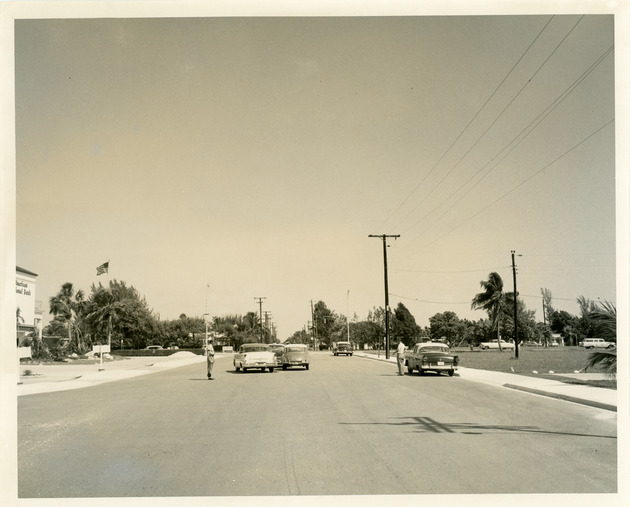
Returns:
point(295, 355)
point(255, 356)
point(342, 348)
point(153, 347)
point(591, 343)
point(494, 344)
point(432, 356)
point(278, 350)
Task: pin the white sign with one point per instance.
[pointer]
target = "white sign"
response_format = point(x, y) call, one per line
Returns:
point(24, 352)
point(228, 350)
point(100, 349)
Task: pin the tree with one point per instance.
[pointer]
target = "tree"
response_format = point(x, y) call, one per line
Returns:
point(119, 313)
point(492, 300)
point(324, 322)
point(69, 306)
point(564, 323)
point(605, 318)
point(404, 327)
point(445, 327)
point(547, 312)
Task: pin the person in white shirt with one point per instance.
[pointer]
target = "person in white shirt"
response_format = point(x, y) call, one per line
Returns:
point(400, 356)
point(210, 359)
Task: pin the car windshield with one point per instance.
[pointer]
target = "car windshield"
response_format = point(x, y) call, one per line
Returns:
point(259, 348)
point(295, 348)
point(434, 348)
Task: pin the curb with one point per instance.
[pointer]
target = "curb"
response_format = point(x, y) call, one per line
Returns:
point(564, 397)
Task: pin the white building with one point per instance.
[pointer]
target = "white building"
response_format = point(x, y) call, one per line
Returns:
point(30, 316)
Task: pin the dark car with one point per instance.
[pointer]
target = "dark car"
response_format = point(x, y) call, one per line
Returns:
point(278, 350)
point(342, 348)
point(432, 356)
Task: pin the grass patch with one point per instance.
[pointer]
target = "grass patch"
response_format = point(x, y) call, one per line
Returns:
point(543, 360)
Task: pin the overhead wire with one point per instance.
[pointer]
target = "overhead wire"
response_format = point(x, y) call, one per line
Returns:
point(464, 130)
point(511, 146)
point(483, 134)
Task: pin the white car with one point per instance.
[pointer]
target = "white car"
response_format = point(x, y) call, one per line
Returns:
point(590, 343)
point(494, 344)
point(254, 356)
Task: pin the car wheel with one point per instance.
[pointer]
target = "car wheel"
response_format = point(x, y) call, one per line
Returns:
point(610, 346)
point(420, 371)
point(238, 368)
point(270, 370)
point(306, 366)
point(451, 373)
point(244, 369)
point(284, 367)
point(409, 369)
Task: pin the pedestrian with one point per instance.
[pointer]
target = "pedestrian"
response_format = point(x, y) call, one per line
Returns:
point(400, 356)
point(210, 358)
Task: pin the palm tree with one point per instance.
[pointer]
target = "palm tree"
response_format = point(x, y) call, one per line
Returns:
point(69, 306)
point(492, 300)
point(605, 319)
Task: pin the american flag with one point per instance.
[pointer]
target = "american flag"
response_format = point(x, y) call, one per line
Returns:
point(103, 268)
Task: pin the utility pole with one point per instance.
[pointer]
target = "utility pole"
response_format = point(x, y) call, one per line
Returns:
point(515, 308)
point(384, 238)
point(261, 321)
point(314, 327)
point(348, 314)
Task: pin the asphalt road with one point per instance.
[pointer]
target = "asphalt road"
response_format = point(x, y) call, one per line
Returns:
point(348, 426)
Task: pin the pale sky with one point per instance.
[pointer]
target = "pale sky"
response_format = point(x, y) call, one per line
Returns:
point(257, 155)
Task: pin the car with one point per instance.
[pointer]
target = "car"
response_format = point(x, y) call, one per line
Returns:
point(432, 356)
point(295, 355)
point(153, 347)
point(278, 350)
point(591, 343)
point(254, 356)
point(342, 348)
point(494, 344)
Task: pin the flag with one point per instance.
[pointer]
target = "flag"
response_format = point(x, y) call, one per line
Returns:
point(103, 268)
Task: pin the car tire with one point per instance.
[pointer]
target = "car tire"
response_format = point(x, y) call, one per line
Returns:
point(451, 373)
point(306, 366)
point(284, 367)
point(270, 370)
point(244, 370)
point(238, 368)
point(409, 370)
point(421, 371)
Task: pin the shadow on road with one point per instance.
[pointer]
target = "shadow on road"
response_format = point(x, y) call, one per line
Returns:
point(429, 425)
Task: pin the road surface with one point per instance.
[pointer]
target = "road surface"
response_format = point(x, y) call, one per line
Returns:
point(347, 426)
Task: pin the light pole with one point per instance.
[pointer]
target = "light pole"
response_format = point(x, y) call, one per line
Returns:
point(205, 315)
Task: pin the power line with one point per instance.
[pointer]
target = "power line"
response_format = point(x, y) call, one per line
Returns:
point(462, 131)
point(524, 134)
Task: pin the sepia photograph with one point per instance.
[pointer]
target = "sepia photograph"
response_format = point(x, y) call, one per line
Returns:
point(299, 252)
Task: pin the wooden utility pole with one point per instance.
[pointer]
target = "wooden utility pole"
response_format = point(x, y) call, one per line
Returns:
point(384, 238)
point(515, 308)
point(261, 321)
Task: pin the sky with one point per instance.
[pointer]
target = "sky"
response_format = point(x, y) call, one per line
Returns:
point(217, 160)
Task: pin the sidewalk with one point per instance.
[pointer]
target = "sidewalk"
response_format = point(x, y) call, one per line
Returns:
point(586, 395)
point(46, 378)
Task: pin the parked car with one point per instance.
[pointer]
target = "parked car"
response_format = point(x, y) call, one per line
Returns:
point(295, 355)
point(432, 356)
point(254, 356)
point(494, 344)
point(153, 347)
point(591, 343)
point(278, 350)
point(342, 348)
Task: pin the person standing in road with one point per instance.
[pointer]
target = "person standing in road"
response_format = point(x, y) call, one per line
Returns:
point(210, 358)
point(400, 356)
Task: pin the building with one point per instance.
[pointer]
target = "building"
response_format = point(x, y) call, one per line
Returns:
point(29, 311)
